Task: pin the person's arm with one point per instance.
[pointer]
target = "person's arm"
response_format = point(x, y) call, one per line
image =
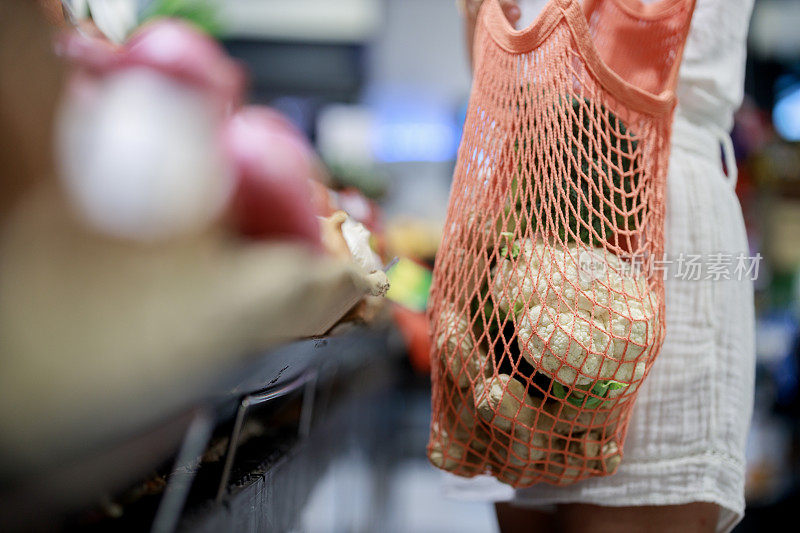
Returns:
point(469, 10)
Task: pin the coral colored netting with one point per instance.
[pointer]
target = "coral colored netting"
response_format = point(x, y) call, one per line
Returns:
point(641, 43)
point(545, 313)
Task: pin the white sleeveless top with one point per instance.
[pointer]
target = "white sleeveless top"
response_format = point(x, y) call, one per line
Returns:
point(687, 435)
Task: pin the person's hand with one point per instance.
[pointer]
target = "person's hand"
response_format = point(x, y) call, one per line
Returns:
point(511, 10)
point(469, 8)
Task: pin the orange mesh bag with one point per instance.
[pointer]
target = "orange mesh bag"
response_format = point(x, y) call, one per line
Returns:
point(546, 314)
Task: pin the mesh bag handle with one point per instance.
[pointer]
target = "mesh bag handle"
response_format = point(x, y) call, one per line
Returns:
point(547, 311)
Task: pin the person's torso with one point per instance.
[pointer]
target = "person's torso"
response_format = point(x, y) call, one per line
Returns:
point(710, 84)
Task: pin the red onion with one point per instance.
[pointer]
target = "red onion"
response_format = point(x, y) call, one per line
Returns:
point(273, 165)
point(93, 54)
point(181, 51)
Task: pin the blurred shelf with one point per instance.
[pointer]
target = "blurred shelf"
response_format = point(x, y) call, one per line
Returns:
point(111, 348)
point(283, 375)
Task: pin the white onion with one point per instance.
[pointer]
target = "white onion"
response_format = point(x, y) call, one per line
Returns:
point(140, 158)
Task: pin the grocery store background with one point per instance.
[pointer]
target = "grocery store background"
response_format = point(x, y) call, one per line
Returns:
point(380, 88)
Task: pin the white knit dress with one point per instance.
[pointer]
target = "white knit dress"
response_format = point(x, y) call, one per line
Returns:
point(687, 436)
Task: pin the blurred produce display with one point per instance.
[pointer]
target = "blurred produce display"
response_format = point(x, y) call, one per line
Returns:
point(769, 190)
point(414, 238)
point(411, 285)
point(410, 288)
point(175, 233)
point(272, 167)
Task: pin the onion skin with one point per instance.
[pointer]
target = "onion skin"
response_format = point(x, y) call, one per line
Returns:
point(172, 47)
point(179, 50)
point(91, 54)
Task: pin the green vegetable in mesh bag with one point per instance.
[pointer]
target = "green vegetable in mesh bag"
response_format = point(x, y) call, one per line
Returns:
point(598, 158)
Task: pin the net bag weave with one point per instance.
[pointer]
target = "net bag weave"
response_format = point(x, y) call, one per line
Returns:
point(546, 312)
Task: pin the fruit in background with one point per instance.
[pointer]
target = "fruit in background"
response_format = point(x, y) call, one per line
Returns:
point(411, 284)
point(273, 164)
point(409, 237)
point(413, 327)
point(410, 287)
point(277, 122)
point(138, 132)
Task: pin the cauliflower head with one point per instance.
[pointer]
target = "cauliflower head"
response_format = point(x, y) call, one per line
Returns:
point(533, 272)
point(578, 329)
point(456, 346)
